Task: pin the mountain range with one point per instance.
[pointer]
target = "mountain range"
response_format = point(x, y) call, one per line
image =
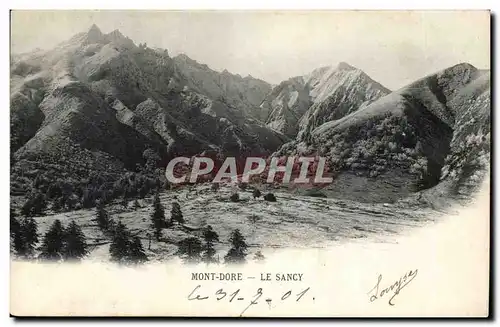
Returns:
point(100, 103)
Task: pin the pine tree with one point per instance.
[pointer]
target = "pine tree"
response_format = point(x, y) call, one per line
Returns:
point(16, 240)
point(120, 246)
point(137, 254)
point(75, 246)
point(29, 236)
point(238, 251)
point(158, 217)
point(190, 249)
point(176, 213)
point(53, 242)
point(210, 237)
point(102, 217)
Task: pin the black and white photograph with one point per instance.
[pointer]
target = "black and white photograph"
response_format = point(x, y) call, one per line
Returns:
point(213, 141)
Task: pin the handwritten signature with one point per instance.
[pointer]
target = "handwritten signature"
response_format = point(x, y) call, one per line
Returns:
point(378, 291)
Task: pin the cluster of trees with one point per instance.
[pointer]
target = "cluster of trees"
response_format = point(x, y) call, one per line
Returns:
point(61, 243)
point(193, 250)
point(158, 219)
point(63, 196)
point(50, 185)
point(23, 235)
point(58, 243)
point(69, 243)
point(124, 247)
point(371, 146)
point(379, 144)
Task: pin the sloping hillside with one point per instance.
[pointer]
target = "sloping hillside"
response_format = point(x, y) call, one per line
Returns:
point(469, 158)
point(291, 222)
point(400, 143)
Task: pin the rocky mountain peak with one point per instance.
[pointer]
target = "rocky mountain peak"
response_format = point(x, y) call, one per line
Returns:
point(345, 66)
point(94, 30)
point(116, 34)
point(117, 37)
point(93, 35)
point(327, 93)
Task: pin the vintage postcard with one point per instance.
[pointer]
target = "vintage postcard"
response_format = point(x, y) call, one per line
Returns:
point(250, 163)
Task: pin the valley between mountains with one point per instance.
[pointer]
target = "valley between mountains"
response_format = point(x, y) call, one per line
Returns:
point(96, 120)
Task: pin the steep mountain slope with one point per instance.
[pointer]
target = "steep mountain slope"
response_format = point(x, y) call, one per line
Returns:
point(468, 161)
point(98, 102)
point(284, 106)
point(242, 93)
point(337, 93)
point(399, 143)
point(303, 103)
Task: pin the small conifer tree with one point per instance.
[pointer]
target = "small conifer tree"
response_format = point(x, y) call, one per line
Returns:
point(176, 213)
point(102, 217)
point(190, 250)
point(210, 237)
point(16, 240)
point(29, 236)
point(158, 221)
point(75, 246)
point(120, 246)
point(238, 251)
point(137, 254)
point(53, 242)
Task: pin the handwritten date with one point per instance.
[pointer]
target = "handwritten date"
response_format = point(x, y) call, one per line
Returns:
point(237, 296)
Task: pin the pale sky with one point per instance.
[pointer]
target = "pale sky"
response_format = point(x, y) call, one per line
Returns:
point(394, 48)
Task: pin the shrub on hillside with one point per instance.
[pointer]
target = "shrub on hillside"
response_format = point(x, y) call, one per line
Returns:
point(235, 197)
point(270, 197)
